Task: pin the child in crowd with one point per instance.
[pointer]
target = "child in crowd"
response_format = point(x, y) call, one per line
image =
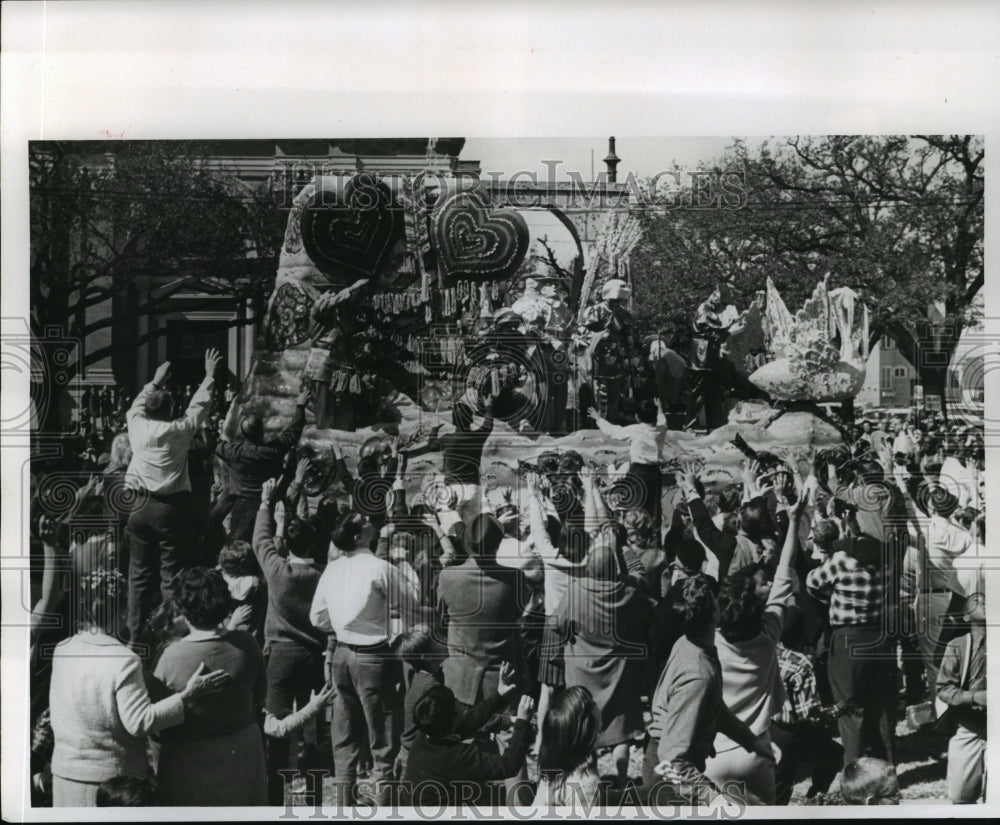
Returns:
point(869, 781)
point(441, 768)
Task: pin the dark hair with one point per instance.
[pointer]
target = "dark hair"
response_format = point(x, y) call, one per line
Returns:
point(236, 558)
point(730, 498)
point(347, 531)
point(742, 609)
point(646, 411)
point(160, 405)
point(434, 712)
point(694, 606)
point(691, 554)
point(753, 519)
point(300, 537)
point(966, 516)
point(127, 792)
point(569, 731)
point(602, 563)
point(252, 428)
point(483, 537)
point(416, 646)
point(202, 597)
point(570, 462)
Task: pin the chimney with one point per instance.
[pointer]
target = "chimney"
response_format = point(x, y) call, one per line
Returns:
point(612, 161)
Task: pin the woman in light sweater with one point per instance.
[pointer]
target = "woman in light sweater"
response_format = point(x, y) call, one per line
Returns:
point(101, 711)
point(753, 616)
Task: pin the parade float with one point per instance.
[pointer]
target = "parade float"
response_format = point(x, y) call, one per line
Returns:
point(387, 289)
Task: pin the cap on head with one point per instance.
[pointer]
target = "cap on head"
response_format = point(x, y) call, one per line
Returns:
point(616, 289)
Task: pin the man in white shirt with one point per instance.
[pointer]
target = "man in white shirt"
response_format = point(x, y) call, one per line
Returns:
point(646, 440)
point(160, 526)
point(356, 598)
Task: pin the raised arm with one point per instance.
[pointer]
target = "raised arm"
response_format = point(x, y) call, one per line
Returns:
point(197, 410)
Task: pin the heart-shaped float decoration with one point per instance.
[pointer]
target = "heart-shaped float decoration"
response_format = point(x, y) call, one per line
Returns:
point(479, 243)
point(353, 233)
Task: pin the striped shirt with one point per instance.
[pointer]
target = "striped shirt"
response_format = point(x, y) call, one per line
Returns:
point(855, 593)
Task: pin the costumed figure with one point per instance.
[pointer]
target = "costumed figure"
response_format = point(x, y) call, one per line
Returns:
point(666, 377)
point(708, 363)
point(609, 354)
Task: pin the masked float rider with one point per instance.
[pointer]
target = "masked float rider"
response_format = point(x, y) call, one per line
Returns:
point(610, 354)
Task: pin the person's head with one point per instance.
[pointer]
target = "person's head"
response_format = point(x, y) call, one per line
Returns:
point(101, 600)
point(729, 499)
point(300, 537)
point(121, 453)
point(646, 412)
point(869, 781)
point(252, 429)
point(965, 517)
point(421, 649)
point(160, 405)
point(638, 526)
point(434, 712)
point(689, 559)
point(941, 501)
point(866, 427)
point(602, 561)
point(236, 559)
point(127, 792)
point(824, 533)
point(202, 597)
point(975, 607)
point(569, 731)
point(484, 535)
point(742, 601)
point(570, 462)
point(353, 532)
point(695, 608)
point(753, 520)
point(615, 290)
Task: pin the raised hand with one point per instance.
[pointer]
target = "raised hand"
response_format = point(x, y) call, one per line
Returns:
point(508, 679)
point(301, 469)
point(267, 491)
point(241, 617)
point(160, 376)
point(212, 361)
point(526, 708)
point(593, 413)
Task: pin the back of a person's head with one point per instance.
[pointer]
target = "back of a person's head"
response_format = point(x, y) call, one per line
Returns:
point(252, 428)
point(236, 559)
point(825, 533)
point(693, 608)
point(939, 500)
point(569, 731)
point(866, 550)
point(484, 536)
point(869, 781)
point(434, 712)
point(570, 462)
point(641, 522)
point(646, 411)
point(601, 563)
point(730, 499)
point(121, 454)
point(965, 516)
point(871, 472)
point(417, 647)
point(202, 596)
point(690, 555)
point(741, 608)
point(300, 537)
point(347, 532)
point(127, 792)
point(160, 405)
point(753, 519)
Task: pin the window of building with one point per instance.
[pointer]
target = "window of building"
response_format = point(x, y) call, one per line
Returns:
point(886, 375)
point(888, 342)
point(899, 372)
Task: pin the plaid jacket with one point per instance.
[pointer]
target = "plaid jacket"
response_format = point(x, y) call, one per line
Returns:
point(855, 593)
point(801, 695)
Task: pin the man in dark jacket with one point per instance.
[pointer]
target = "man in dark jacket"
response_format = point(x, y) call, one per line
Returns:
point(254, 460)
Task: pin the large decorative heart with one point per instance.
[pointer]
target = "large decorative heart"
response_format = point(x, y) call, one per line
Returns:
point(353, 233)
point(476, 242)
